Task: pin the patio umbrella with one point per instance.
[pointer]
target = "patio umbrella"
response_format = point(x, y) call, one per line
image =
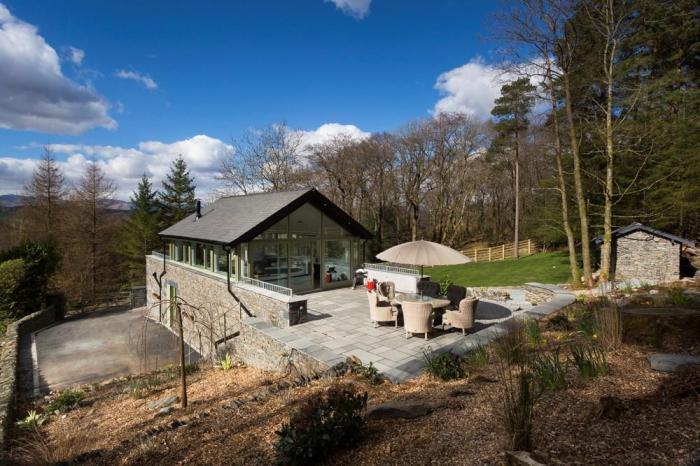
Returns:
point(423, 253)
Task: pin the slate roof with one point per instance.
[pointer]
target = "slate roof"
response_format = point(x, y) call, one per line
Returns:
point(624, 231)
point(235, 219)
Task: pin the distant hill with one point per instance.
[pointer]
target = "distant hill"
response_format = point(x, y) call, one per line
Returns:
point(14, 201)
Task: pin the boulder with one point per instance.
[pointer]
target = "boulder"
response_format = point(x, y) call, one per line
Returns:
point(670, 362)
point(163, 402)
point(398, 410)
point(164, 411)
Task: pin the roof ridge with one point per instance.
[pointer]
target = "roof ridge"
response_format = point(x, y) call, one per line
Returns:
point(303, 190)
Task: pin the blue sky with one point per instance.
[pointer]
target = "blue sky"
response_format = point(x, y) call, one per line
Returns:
point(151, 79)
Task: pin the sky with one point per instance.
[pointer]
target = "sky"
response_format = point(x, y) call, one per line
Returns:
point(131, 85)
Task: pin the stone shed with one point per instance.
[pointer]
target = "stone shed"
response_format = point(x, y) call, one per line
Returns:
point(646, 254)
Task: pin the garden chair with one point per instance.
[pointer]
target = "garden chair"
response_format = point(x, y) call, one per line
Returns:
point(417, 317)
point(386, 291)
point(463, 317)
point(381, 311)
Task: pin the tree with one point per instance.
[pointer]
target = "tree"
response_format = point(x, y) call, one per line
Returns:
point(140, 231)
point(44, 191)
point(511, 111)
point(176, 199)
point(93, 232)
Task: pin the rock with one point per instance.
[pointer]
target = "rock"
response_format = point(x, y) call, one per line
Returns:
point(163, 402)
point(353, 360)
point(398, 410)
point(653, 291)
point(670, 362)
point(460, 392)
point(164, 411)
point(521, 458)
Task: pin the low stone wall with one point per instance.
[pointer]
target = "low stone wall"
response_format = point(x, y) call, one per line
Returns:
point(546, 299)
point(8, 365)
point(257, 345)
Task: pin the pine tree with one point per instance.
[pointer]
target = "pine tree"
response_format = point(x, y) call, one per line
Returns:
point(140, 231)
point(176, 200)
point(511, 111)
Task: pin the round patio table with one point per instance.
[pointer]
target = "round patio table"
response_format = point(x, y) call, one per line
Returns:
point(438, 304)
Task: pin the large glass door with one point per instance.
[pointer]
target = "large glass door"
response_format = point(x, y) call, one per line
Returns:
point(302, 270)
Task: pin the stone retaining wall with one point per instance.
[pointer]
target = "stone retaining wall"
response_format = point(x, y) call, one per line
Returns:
point(258, 345)
point(8, 365)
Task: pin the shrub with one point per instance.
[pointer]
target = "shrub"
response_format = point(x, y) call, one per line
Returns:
point(65, 401)
point(514, 405)
point(370, 373)
point(445, 366)
point(589, 360)
point(478, 357)
point(226, 363)
point(587, 325)
point(32, 420)
point(676, 296)
point(326, 422)
point(12, 276)
point(548, 370)
point(444, 284)
point(559, 323)
point(512, 345)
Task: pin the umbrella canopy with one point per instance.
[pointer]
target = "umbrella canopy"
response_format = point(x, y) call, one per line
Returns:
point(423, 253)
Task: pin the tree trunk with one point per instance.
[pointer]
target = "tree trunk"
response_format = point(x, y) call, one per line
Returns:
point(517, 196)
point(570, 240)
point(578, 185)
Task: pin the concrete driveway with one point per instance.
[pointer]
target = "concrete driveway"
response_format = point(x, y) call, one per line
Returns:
point(100, 346)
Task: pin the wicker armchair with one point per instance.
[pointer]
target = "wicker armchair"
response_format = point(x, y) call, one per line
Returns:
point(463, 317)
point(381, 311)
point(417, 317)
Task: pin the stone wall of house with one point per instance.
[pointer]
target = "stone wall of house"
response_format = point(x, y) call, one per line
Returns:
point(218, 315)
point(8, 365)
point(647, 258)
point(259, 346)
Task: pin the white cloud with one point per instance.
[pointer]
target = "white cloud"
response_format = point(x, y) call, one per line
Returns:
point(35, 93)
point(144, 79)
point(76, 55)
point(125, 165)
point(328, 131)
point(358, 9)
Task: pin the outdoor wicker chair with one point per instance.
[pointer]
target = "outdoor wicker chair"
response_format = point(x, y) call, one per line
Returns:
point(381, 311)
point(455, 294)
point(417, 317)
point(463, 317)
point(386, 291)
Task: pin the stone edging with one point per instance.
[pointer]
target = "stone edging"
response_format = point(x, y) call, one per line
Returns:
point(556, 298)
point(9, 361)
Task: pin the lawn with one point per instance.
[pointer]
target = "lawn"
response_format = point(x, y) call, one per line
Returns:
point(545, 267)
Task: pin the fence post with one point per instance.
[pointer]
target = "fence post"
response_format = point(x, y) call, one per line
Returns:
point(529, 246)
point(489, 254)
point(503, 251)
point(476, 255)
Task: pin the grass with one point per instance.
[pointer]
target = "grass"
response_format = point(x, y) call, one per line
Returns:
point(545, 267)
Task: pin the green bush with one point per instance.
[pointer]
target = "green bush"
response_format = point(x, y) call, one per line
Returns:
point(548, 370)
point(225, 363)
point(65, 401)
point(325, 423)
point(589, 360)
point(676, 296)
point(32, 420)
point(445, 366)
point(12, 276)
point(478, 357)
point(370, 373)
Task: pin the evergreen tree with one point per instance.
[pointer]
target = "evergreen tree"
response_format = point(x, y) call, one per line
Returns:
point(140, 231)
point(176, 200)
point(45, 191)
point(511, 111)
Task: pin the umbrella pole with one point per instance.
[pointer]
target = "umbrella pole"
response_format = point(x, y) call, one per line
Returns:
point(420, 279)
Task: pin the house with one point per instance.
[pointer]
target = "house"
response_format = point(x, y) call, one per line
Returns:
point(254, 255)
point(645, 254)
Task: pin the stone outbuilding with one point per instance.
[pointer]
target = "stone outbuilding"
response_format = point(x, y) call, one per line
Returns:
point(643, 253)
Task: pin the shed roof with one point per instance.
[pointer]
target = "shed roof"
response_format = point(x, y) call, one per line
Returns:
point(624, 231)
point(235, 219)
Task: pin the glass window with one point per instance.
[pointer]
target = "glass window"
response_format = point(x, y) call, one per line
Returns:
point(337, 261)
point(178, 253)
point(305, 222)
point(276, 231)
point(332, 229)
point(168, 249)
point(221, 261)
point(199, 253)
point(268, 262)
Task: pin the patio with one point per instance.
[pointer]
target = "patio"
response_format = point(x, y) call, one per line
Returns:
point(339, 326)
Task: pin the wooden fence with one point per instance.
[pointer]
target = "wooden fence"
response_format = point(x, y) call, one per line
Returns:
point(503, 251)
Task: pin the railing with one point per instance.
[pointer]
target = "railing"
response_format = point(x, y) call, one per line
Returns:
point(248, 281)
point(407, 269)
point(501, 252)
point(266, 286)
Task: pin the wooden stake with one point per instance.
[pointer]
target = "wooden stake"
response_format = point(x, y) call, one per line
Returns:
point(183, 376)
